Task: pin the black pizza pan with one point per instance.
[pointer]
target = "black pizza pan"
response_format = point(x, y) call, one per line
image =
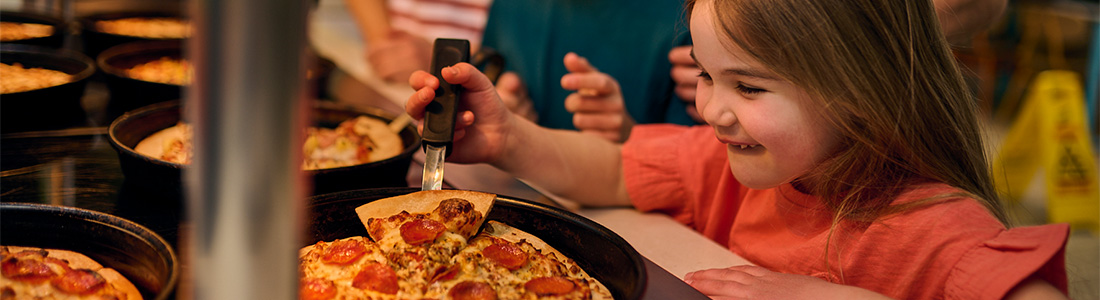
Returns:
point(136, 252)
point(46, 108)
point(163, 177)
point(599, 251)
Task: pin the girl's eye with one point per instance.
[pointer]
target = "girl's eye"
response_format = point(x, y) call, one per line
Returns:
point(704, 75)
point(741, 87)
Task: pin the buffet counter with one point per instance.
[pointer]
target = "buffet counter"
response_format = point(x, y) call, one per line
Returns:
point(77, 167)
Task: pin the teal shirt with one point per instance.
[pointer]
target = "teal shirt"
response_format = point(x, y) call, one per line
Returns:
point(629, 40)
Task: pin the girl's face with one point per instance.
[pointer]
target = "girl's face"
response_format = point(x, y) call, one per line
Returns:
point(772, 133)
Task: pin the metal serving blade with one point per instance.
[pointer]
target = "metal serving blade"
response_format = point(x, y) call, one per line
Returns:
point(433, 167)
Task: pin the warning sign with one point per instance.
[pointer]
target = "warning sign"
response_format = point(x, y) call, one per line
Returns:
point(1051, 133)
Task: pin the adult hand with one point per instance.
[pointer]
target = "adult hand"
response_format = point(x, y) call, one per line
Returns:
point(483, 122)
point(514, 94)
point(686, 75)
point(395, 57)
point(752, 282)
point(597, 105)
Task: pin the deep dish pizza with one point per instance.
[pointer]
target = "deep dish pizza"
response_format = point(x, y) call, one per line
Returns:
point(426, 245)
point(146, 27)
point(165, 70)
point(36, 273)
point(15, 31)
point(355, 141)
point(15, 78)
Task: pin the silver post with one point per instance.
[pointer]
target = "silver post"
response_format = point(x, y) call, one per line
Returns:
point(244, 190)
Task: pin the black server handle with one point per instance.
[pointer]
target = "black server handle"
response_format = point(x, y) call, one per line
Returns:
point(439, 116)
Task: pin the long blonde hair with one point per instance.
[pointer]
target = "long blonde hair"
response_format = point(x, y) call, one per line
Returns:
point(884, 76)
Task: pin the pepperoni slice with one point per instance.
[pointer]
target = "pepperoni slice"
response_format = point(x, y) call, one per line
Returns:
point(444, 273)
point(545, 286)
point(343, 252)
point(316, 289)
point(472, 290)
point(421, 231)
point(376, 277)
point(79, 282)
point(26, 270)
point(506, 254)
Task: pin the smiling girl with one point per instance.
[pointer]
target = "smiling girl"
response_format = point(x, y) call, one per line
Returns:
point(842, 155)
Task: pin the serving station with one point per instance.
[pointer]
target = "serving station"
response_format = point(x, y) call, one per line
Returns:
point(79, 175)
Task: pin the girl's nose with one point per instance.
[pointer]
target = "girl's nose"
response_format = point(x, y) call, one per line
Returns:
point(716, 114)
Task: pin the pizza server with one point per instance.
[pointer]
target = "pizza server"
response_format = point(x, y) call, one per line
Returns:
point(439, 116)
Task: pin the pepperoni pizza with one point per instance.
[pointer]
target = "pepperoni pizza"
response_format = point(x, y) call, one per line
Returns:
point(36, 273)
point(426, 245)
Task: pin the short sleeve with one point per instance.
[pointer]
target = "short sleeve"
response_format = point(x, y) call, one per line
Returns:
point(670, 168)
point(650, 170)
point(994, 267)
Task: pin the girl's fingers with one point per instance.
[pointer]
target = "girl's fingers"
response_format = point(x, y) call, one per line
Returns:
point(751, 270)
point(727, 274)
point(472, 80)
point(729, 282)
point(719, 288)
point(421, 79)
point(418, 101)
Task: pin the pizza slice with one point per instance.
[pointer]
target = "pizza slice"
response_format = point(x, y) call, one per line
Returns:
point(36, 273)
point(513, 264)
point(420, 232)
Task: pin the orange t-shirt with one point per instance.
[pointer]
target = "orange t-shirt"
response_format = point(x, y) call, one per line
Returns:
point(951, 250)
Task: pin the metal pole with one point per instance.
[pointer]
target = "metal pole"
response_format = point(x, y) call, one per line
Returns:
point(244, 189)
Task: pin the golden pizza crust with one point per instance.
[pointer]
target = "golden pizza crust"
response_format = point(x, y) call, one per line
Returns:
point(423, 202)
point(81, 261)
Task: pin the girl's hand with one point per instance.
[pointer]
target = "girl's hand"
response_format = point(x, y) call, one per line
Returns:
point(752, 282)
point(597, 105)
point(483, 121)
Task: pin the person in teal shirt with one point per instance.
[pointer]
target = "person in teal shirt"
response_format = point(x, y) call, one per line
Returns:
point(628, 40)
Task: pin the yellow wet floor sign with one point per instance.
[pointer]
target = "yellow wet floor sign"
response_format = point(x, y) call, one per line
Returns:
point(1051, 133)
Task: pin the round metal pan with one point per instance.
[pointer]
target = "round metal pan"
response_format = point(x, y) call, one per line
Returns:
point(136, 252)
point(599, 251)
point(155, 174)
point(95, 41)
point(52, 107)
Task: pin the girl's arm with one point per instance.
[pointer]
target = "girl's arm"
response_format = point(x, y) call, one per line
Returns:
point(580, 167)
